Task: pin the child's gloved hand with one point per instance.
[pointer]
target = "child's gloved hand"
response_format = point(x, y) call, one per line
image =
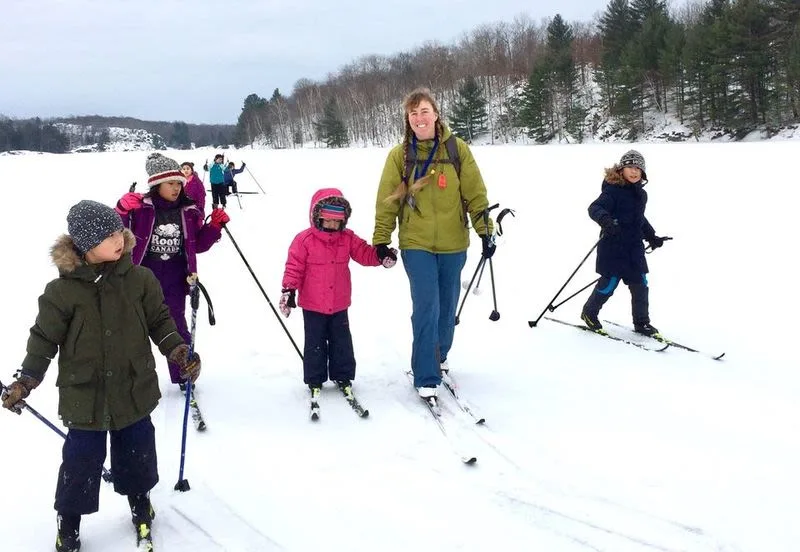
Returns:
point(386, 255)
point(129, 202)
point(610, 226)
point(205, 166)
point(219, 218)
point(655, 241)
point(287, 302)
point(190, 367)
point(14, 394)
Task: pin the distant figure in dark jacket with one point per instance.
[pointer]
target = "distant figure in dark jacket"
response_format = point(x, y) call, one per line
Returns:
point(230, 172)
point(620, 254)
point(98, 317)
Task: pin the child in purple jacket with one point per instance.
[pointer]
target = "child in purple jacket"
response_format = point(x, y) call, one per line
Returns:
point(169, 232)
point(317, 268)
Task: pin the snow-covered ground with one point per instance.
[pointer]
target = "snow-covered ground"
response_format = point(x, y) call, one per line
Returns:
point(589, 445)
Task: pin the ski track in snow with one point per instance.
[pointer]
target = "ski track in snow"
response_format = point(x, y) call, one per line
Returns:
point(589, 444)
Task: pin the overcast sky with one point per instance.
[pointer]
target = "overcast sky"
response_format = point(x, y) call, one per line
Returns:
point(197, 60)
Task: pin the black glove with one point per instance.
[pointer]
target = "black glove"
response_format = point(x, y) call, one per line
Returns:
point(610, 226)
point(384, 251)
point(205, 167)
point(290, 299)
point(488, 246)
point(655, 242)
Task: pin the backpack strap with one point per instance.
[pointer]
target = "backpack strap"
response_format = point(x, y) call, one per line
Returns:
point(452, 157)
point(452, 153)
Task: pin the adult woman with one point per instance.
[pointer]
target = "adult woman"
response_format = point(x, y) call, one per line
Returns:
point(422, 189)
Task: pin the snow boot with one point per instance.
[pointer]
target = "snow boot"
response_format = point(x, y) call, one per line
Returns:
point(68, 538)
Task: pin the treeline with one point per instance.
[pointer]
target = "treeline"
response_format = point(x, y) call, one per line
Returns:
point(31, 134)
point(176, 134)
point(727, 65)
point(50, 136)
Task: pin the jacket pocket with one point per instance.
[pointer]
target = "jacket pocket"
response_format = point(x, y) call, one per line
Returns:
point(142, 319)
point(73, 334)
point(77, 385)
point(144, 389)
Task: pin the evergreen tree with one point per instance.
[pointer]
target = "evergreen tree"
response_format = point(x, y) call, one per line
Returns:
point(786, 45)
point(180, 135)
point(330, 129)
point(253, 122)
point(641, 10)
point(52, 140)
point(535, 103)
point(559, 51)
point(562, 77)
point(753, 65)
point(616, 26)
point(469, 116)
point(103, 138)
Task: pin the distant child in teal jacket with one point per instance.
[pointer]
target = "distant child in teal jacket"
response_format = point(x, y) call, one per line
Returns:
point(217, 179)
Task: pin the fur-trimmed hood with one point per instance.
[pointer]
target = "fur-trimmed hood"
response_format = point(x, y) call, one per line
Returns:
point(614, 177)
point(328, 195)
point(67, 258)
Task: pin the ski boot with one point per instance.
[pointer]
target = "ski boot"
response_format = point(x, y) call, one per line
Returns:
point(68, 538)
point(142, 515)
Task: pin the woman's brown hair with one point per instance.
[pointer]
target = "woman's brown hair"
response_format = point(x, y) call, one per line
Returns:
point(412, 101)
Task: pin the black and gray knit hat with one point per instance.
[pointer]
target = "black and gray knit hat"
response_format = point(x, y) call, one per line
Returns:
point(162, 169)
point(633, 158)
point(90, 222)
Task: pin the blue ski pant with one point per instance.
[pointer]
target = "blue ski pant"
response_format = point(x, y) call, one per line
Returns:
point(435, 280)
point(134, 466)
point(640, 296)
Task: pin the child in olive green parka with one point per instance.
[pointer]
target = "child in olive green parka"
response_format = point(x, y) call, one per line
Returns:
point(99, 316)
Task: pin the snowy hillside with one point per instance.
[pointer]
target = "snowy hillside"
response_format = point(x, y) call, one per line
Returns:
point(589, 444)
point(117, 139)
point(599, 126)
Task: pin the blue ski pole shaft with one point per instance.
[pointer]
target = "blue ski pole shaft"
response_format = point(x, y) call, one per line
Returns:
point(194, 299)
point(51, 425)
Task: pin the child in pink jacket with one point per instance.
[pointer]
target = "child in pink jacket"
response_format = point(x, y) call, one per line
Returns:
point(317, 268)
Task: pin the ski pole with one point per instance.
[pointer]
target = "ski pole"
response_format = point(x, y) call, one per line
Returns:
point(495, 314)
point(264, 293)
point(593, 282)
point(254, 178)
point(481, 265)
point(194, 300)
point(650, 249)
point(550, 307)
point(476, 291)
point(481, 262)
point(106, 474)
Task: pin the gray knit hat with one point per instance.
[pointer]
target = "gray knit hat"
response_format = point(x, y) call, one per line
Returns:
point(162, 169)
point(633, 158)
point(90, 222)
